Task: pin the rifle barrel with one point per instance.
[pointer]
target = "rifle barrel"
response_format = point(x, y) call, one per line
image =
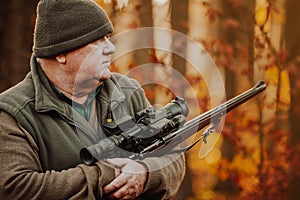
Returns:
point(211, 116)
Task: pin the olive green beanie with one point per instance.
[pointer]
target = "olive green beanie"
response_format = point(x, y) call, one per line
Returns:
point(64, 25)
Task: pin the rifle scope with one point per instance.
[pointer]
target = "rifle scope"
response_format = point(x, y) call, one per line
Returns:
point(133, 137)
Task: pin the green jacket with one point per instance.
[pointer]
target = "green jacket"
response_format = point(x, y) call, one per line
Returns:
point(51, 134)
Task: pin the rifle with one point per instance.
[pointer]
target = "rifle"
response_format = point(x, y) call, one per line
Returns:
point(158, 132)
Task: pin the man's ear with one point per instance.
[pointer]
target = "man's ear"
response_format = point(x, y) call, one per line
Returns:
point(61, 58)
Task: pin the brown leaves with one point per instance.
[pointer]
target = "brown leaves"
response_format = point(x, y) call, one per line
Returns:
point(212, 13)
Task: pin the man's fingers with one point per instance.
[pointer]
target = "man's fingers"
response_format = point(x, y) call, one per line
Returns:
point(117, 183)
point(123, 193)
point(129, 190)
point(130, 179)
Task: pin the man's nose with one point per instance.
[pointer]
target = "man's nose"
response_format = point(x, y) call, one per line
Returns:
point(109, 48)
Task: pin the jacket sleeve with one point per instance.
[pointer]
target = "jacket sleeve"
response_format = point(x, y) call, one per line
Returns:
point(166, 174)
point(22, 177)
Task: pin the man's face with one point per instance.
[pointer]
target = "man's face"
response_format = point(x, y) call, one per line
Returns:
point(89, 65)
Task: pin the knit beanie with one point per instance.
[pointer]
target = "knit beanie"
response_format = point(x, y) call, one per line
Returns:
point(64, 25)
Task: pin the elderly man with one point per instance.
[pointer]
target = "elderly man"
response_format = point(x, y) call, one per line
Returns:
point(61, 106)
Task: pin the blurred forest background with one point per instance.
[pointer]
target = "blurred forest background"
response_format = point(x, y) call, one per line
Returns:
point(257, 154)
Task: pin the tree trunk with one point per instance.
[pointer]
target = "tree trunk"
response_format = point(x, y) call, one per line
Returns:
point(179, 19)
point(292, 33)
point(17, 24)
point(239, 36)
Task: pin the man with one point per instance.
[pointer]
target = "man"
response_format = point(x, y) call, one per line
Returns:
point(61, 106)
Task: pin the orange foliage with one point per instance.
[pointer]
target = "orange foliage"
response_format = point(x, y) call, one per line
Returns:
point(265, 160)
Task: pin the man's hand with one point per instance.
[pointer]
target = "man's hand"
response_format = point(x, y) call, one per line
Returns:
point(130, 180)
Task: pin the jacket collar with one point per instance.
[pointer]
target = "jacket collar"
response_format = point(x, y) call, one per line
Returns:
point(45, 98)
